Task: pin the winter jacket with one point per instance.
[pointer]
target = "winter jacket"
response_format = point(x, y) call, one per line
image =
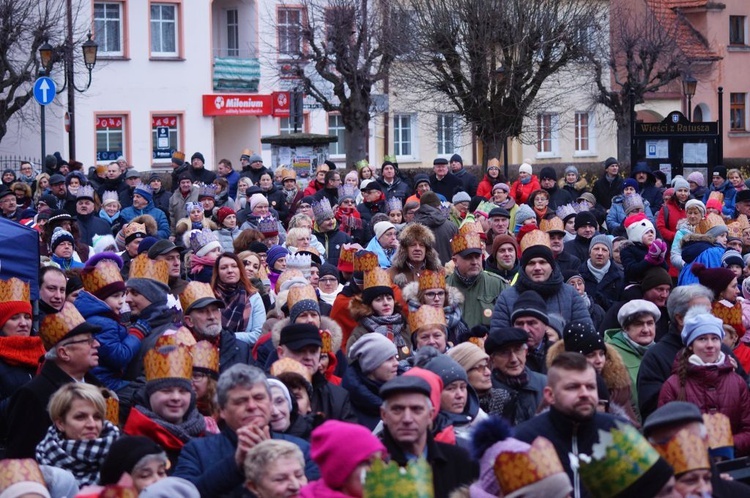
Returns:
point(276, 200)
point(364, 394)
point(567, 261)
point(226, 237)
point(401, 273)
point(453, 310)
point(201, 175)
point(558, 197)
point(331, 399)
point(729, 192)
point(463, 423)
point(117, 185)
point(605, 190)
point(484, 189)
point(606, 292)
point(441, 227)
point(697, 248)
point(520, 192)
point(576, 189)
point(384, 259)
point(117, 348)
point(715, 389)
point(578, 247)
point(332, 242)
point(630, 356)
point(525, 400)
point(633, 257)
point(90, 225)
point(675, 254)
point(341, 314)
point(648, 190)
point(177, 204)
point(12, 378)
point(163, 230)
point(398, 189)
point(616, 216)
point(447, 187)
point(254, 174)
point(468, 181)
point(161, 201)
point(232, 179)
point(479, 299)
point(667, 224)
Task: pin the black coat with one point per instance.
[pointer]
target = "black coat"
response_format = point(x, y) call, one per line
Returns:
point(254, 174)
point(232, 351)
point(606, 292)
point(567, 261)
point(449, 185)
point(176, 172)
point(364, 395)
point(524, 400)
point(604, 190)
point(90, 225)
point(398, 189)
point(201, 175)
point(470, 182)
point(277, 200)
point(558, 197)
point(331, 399)
point(332, 242)
point(12, 378)
point(578, 247)
point(452, 467)
point(366, 211)
point(161, 201)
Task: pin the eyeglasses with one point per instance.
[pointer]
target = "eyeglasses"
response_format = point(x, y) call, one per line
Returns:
point(434, 294)
point(480, 368)
point(303, 206)
point(328, 280)
point(89, 340)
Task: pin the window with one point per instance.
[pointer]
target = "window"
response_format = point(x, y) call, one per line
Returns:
point(108, 28)
point(164, 136)
point(737, 111)
point(546, 133)
point(290, 31)
point(584, 132)
point(163, 30)
point(233, 33)
point(110, 137)
point(286, 125)
point(336, 128)
point(446, 134)
point(737, 30)
point(403, 139)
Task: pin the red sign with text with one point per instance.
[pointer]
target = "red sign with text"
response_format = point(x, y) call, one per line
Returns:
point(227, 104)
point(281, 103)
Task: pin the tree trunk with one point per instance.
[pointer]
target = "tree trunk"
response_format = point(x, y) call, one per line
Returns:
point(356, 144)
point(623, 142)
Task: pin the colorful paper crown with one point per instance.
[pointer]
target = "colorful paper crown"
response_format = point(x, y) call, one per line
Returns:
point(346, 258)
point(85, 192)
point(297, 261)
point(484, 208)
point(268, 226)
point(392, 481)
point(377, 277)
point(170, 362)
point(144, 267)
point(743, 222)
point(287, 275)
point(463, 241)
point(14, 289)
point(300, 293)
point(112, 406)
point(493, 163)
point(685, 451)
point(207, 191)
point(322, 209)
point(289, 365)
point(180, 337)
point(205, 357)
point(17, 471)
point(106, 273)
point(431, 280)
point(535, 238)
point(734, 230)
point(109, 196)
point(327, 342)
point(288, 174)
point(200, 238)
point(719, 430)
point(553, 224)
point(716, 195)
point(566, 211)
point(471, 226)
point(133, 228)
point(365, 261)
point(711, 220)
point(390, 158)
point(56, 326)
point(193, 292)
point(516, 470)
point(394, 204)
point(178, 155)
point(618, 460)
point(426, 316)
point(247, 152)
point(347, 190)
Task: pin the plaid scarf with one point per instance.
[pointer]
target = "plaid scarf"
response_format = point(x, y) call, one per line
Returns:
point(236, 313)
point(81, 458)
point(389, 326)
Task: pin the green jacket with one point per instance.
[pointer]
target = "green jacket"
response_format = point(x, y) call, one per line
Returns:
point(479, 298)
point(630, 356)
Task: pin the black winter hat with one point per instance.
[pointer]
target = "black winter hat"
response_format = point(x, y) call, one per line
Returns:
point(548, 172)
point(457, 158)
point(500, 338)
point(610, 161)
point(582, 338)
point(586, 218)
point(124, 455)
point(198, 155)
point(537, 251)
point(298, 335)
point(530, 303)
point(721, 171)
point(328, 269)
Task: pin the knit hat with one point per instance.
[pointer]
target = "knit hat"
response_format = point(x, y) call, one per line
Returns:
point(720, 171)
point(457, 158)
point(420, 178)
point(632, 202)
point(529, 303)
point(447, 368)
point(630, 182)
point(571, 169)
point(170, 487)
point(601, 239)
point(610, 161)
point(144, 191)
point(430, 198)
point(258, 247)
point(569, 274)
point(382, 227)
point(461, 197)
point(537, 251)
point(524, 213)
point(371, 351)
point(582, 337)
point(700, 324)
point(223, 212)
point(339, 447)
point(197, 155)
point(124, 455)
point(275, 253)
point(525, 168)
point(467, 354)
point(680, 183)
point(146, 244)
point(501, 186)
point(654, 277)
point(635, 307)
point(548, 172)
point(732, 257)
point(256, 199)
point(716, 279)
point(714, 204)
point(636, 226)
point(60, 235)
point(303, 298)
point(586, 218)
point(272, 382)
point(155, 292)
point(255, 158)
point(695, 203)
point(697, 178)
point(491, 437)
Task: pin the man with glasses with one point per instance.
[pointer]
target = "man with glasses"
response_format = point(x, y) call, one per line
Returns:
point(72, 351)
point(330, 191)
point(442, 181)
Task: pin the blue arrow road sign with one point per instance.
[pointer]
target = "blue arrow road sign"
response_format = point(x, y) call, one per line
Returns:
point(44, 90)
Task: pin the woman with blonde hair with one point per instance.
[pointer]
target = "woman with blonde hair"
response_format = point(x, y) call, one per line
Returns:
point(42, 186)
point(275, 468)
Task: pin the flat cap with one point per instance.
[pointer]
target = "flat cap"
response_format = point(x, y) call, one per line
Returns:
point(674, 412)
point(405, 384)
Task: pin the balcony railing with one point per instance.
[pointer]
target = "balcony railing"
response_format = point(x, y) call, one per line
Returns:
point(236, 71)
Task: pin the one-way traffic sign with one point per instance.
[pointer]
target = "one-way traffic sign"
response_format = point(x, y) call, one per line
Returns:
point(44, 90)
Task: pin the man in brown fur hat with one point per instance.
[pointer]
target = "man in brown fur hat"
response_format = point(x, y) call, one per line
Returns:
point(416, 252)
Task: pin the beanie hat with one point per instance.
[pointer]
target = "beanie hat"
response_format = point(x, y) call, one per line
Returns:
point(548, 172)
point(501, 186)
point(461, 197)
point(467, 354)
point(457, 158)
point(197, 155)
point(255, 158)
point(10, 308)
point(572, 169)
point(524, 213)
point(610, 161)
point(339, 447)
point(654, 277)
point(530, 303)
point(537, 251)
point(256, 199)
point(382, 227)
point(146, 244)
point(636, 226)
point(371, 351)
point(632, 202)
point(601, 239)
point(170, 487)
point(155, 292)
point(75, 283)
point(680, 183)
point(284, 390)
point(447, 368)
point(717, 230)
point(720, 171)
point(695, 203)
point(569, 274)
point(732, 257)
point(124, 455)
point(716, 279)
point(144, 191)
point(258, 247)
point(525, 168)
point(223, 212)
point(700, 324)
point(713, 204)
point(586, 218)
point(630, 182)
point(420, 178)
point(582, 337)
point(61, 235)
point(274, 254)
point(301, 306)
point(430, 198)
point(696, 178)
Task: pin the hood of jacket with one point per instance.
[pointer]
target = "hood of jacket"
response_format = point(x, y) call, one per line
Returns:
point(410, 291)
point(580, 184)
point(430, 216)
point(89, 305)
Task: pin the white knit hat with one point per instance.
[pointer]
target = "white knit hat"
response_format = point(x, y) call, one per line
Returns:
point(525, 168)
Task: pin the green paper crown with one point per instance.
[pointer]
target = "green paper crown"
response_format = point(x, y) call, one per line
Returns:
point(361, 163)
point(390, 158)
point(392, 481)
point(485, 207)
point(618, 460)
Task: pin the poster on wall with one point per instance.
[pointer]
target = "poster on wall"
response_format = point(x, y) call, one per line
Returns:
point(304, 159)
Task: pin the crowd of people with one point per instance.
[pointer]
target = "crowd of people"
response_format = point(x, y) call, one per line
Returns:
point(240, 332)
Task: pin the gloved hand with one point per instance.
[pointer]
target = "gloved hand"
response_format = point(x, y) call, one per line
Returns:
point(140, 329)
point(657, 251)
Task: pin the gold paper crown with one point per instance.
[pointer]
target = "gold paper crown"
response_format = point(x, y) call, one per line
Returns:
point(391, 481)
point(300, 293)
point(112, 404)
point(470, 227)
point(685, 451)
point(719, 429)
point(347, 254)
point(132, 228)
point(479, 341)
point(425, 316)
point(171, 362)
point(711, 220)
point(206, 356)
point(743, 222)
point(288, 174)
point(247, 152)
point(118, 492)
point(14, 289)
point(105, 273)
point(179, 337)
point(144, 267)
point(193, 292)
point(289, 365)
point(16, 471)
point(553, 224)
point(618, 460)
point(431, 280)
point(327, 340)
point(377, 277)
point(493, 162)
point(464, 241)
point(535, 238)
point(735, 230)
point(179, 155)
point(56, 326)
point(516, 470)
point(288, 275)
point(365, 261)
point(716, 195)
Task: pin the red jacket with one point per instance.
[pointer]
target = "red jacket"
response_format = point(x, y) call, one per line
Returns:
point(520, 192)
point(668, 227)
point(485, 188)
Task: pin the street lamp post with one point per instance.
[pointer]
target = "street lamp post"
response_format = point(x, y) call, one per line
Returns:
point(688, 88)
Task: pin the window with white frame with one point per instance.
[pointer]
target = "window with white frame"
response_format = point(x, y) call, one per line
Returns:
point(164, 30)
point(289, 32)
point(286, 125)
point(584, 132)
point(403, 135)
point(110, 137)
point(165, 134)
point(546, 133)
point(108, 28)
point(233, 33)
point(447, 125)
point(336, 128)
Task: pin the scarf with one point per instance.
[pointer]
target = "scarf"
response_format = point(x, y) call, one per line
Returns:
point(109, 219)
point(29, 180)
point(516, 382)
point(196, 225)
point(598, 273)
point(467, 281)
point(526, 180)
point(508, 204)
point(546, 289)
point(198, 262)
point(694, 359)
point(21, 351)
point(81, 458)
point(640, 349)
point(389, 326)
point(456, 326)
point(289, 195)
point(540, 214)
point(193, 426)
point(236, 313)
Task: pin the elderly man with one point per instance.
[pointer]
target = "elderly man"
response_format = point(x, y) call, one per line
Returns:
point(385, 242)
point(64, 200)
point(407, 414)
point(214, 463)
point(499, 221)
point(480, 288)
point(88, 220)
point(416, 252)
point(442, 181)
point(8, 205)
point(185, 192)
point(602, 278)
point(72, 351)
point(556, 231)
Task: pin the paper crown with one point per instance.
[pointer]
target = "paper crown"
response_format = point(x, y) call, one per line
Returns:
point(365, 261)
point(111, 406)
point(289, 365)
point(200, 238)
point(310, 251)
point(347, 255)
point(478, 341)
point(268, 226)
point(347, 190)
point(14, 289)
point(716, 195)
point(322, 209)
point(553, 224)
point(190, 206)
point(144, 267)
point(719, 430)
point(711, 220)
point(133, 228)
point(493, 163)
point(85, 192)
point(246, 152)
point(288, 174)
point(734, 230)
point(17, 471)
point(109, 196)
point(685, 451)
point(377, 277)
point(394, 204)
point(393, 481)
point(618, 460)
point(484, 208)
point(207, 191)
point(463, 241)
point(56, 326)
point(205, 356)
point(193, 292)
point(743, 222)
point(566, 210)
point(362, 163)
point(535, 238)
point(179, 155)
point(145, 188)
point(390, 158)
point(470, 227)
point(300, 293)
point(632, 201)
point(180, 337)
point(104, 274)
point(426, 316)
point(170, 362)
point(326, 342)
point(431, 280)
point(516, 470)
point(297, 261)
point(288, 275)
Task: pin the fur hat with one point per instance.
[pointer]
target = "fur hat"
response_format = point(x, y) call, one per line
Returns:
point(416, 232)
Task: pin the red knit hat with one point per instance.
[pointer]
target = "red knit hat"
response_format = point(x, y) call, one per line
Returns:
point(716, 279)
point(10, 308)
point(223, 213)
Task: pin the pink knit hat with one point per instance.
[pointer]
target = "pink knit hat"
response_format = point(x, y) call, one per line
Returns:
point(436, 386)
point(338, 447)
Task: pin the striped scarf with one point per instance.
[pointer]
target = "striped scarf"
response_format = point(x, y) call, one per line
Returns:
point(237, 308)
